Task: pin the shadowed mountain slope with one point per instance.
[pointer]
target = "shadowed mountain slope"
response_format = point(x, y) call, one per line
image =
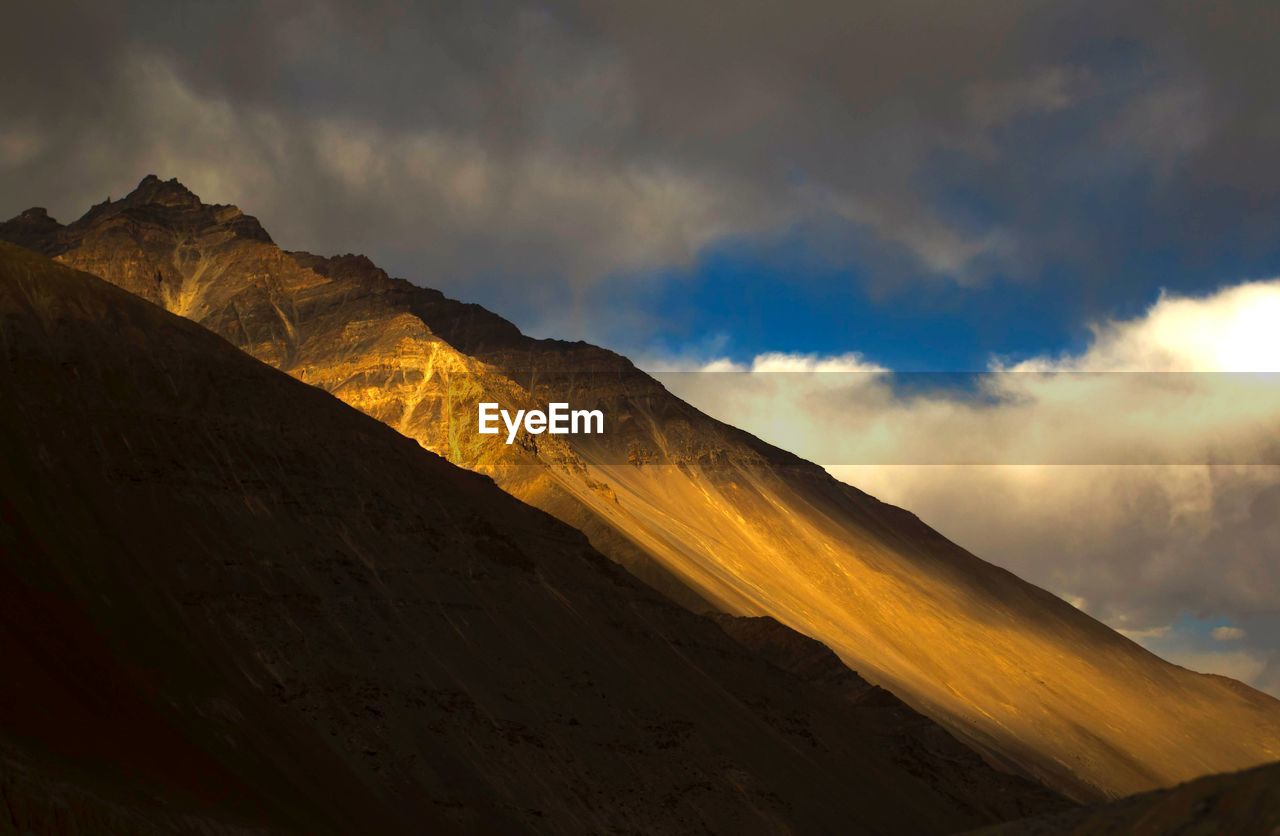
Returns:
point(1240, 802)
point(911, 740)
point(230, 602)
point(702, 511)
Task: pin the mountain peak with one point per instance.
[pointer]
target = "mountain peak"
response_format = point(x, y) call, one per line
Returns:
point(152, 190)
point(169, 204)
point(36, 214)
point(33, 229)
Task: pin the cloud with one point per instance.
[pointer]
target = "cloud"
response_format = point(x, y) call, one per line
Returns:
point(18, 147)
point(1241, 665)
point(562, 161)
point(1232, 331)
point(363, 183)
point(1134, 541)
point(995, 103)
point(1149, 633)
point(780, 361)
point(1194, 381)
point(527, 150)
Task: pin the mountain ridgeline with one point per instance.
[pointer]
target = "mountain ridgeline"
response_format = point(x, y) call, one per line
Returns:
point(712, 517)
point(230, 603)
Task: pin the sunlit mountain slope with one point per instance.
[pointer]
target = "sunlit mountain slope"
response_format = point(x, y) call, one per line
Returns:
point(229, 602)
point(700, 510)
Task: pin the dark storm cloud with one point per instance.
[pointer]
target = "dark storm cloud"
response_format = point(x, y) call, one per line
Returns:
point(572, 142)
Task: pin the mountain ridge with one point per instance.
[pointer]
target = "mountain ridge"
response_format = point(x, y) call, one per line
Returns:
point(704, 512)
point(234, 604)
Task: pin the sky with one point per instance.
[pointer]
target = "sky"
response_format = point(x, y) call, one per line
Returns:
point(907, 186)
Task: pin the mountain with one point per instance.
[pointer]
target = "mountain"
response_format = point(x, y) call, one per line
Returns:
point(709, 515)
point(230, 603)
point(911, 740)
point(1241, 802)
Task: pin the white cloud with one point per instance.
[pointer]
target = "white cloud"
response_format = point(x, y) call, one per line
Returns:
point(1133, 541)
point(1227, 634)
point(773, 361)
point(1148, 633)
point(1233, 330)
point(1135, 397)
point(782, 362)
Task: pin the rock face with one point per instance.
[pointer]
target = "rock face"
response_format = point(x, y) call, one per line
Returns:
point(708, 514)
point(229, 603)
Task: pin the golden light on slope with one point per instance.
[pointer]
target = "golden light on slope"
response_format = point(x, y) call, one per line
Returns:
point(709, 514)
